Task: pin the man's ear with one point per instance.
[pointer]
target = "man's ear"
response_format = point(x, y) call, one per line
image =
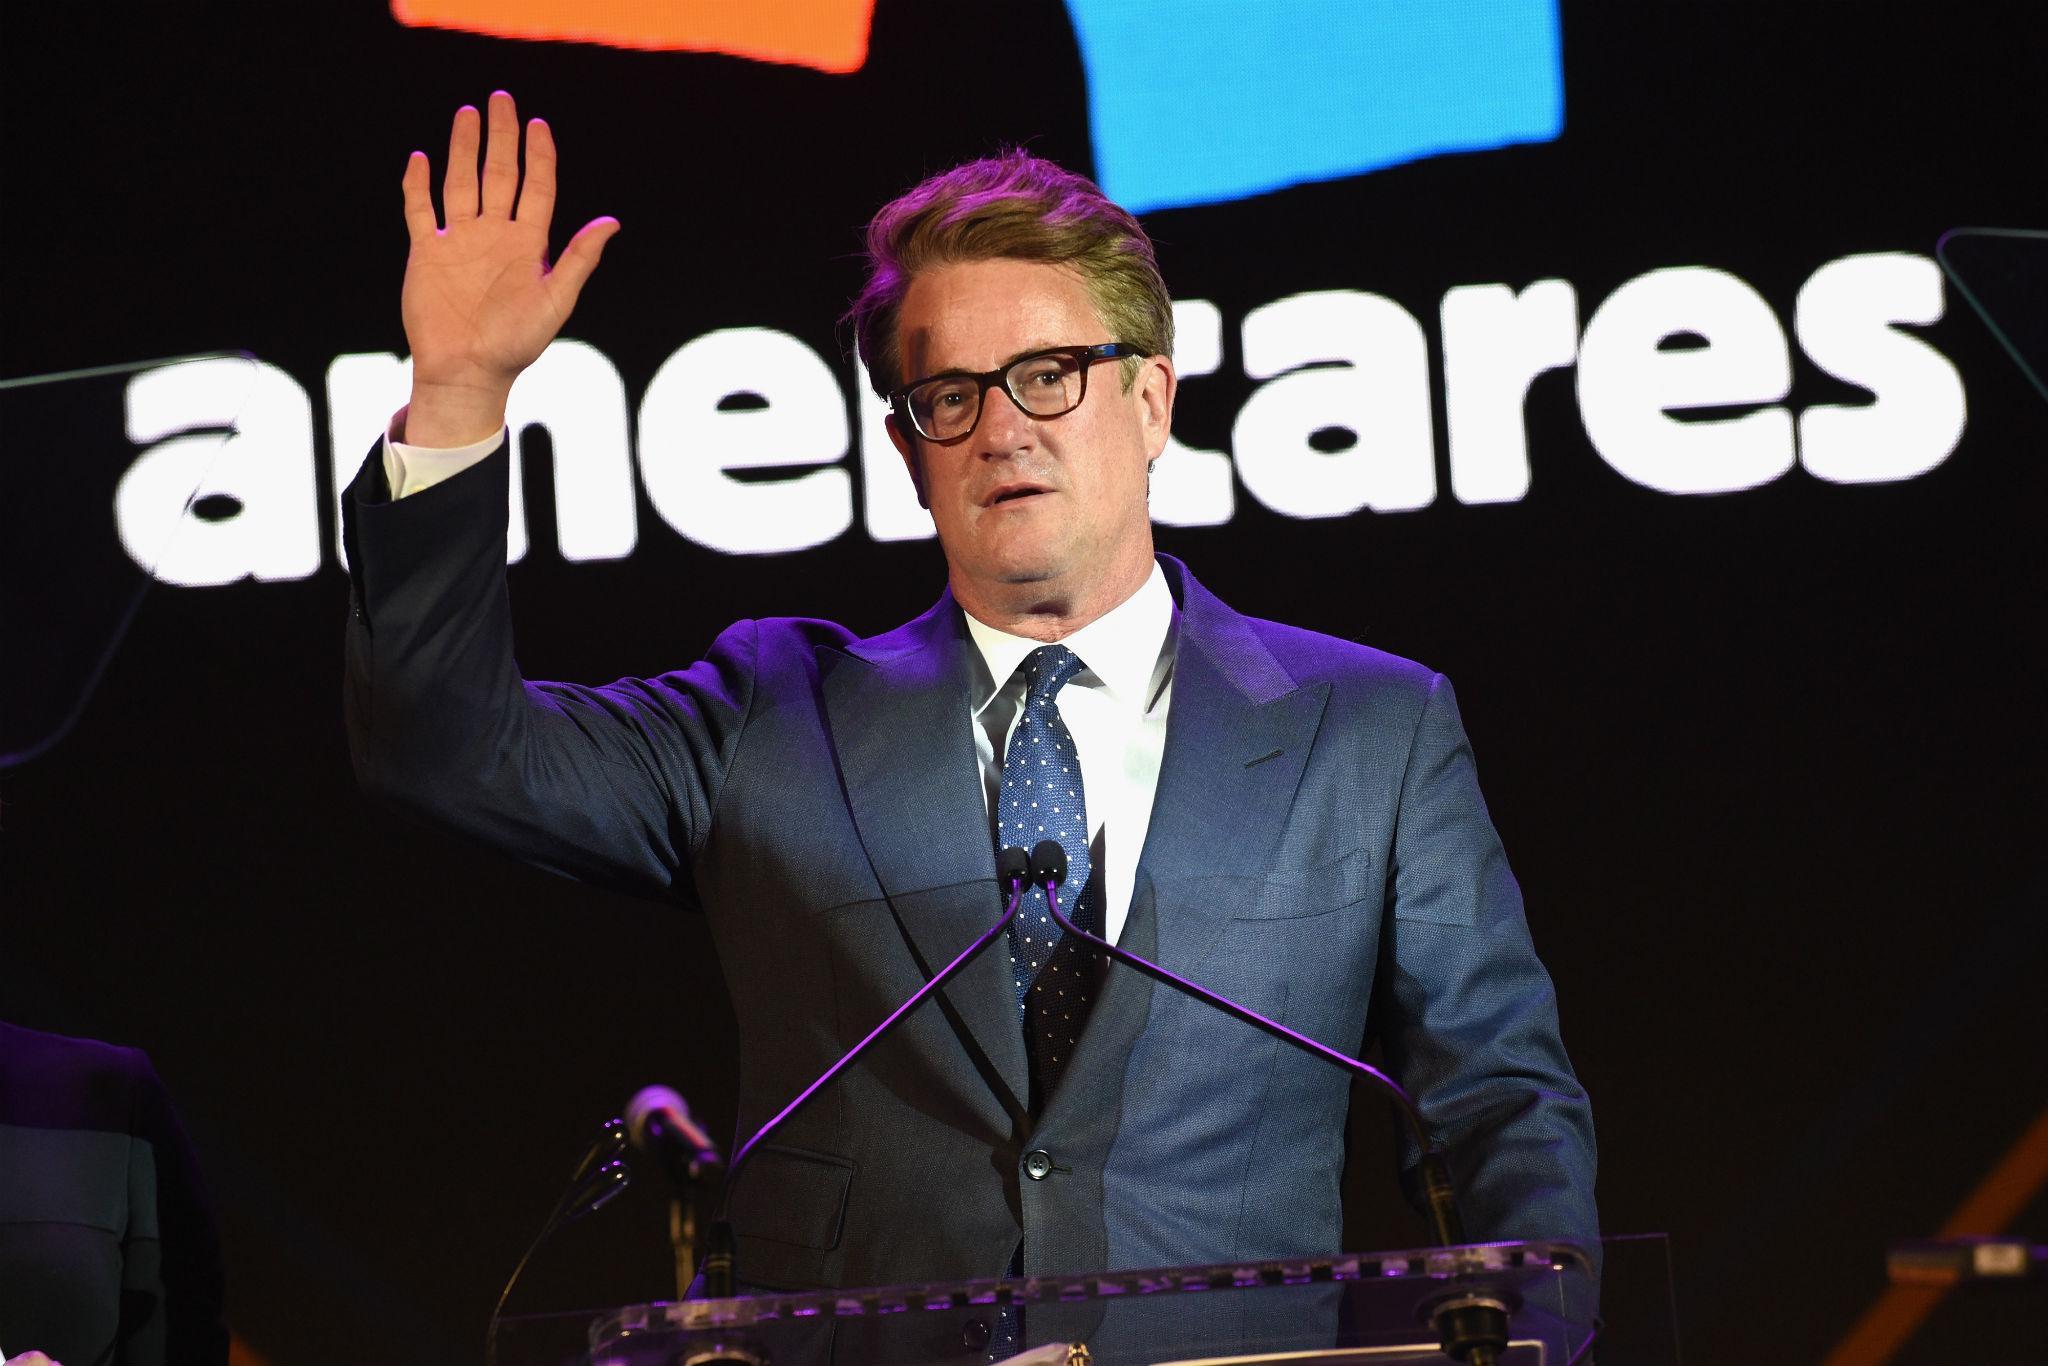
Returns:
point(1154, 391)
point(906, 446)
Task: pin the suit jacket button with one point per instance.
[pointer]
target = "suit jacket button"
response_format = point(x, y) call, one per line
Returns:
point(974, 1334)
point(1038, 1164)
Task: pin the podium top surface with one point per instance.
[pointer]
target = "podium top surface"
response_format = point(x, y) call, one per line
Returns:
point(1505, 1265)
point(1367, 1307)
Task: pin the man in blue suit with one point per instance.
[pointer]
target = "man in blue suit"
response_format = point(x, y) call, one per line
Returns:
point(1287, 818)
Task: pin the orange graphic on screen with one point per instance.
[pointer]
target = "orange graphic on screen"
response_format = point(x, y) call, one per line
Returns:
point(828, 35)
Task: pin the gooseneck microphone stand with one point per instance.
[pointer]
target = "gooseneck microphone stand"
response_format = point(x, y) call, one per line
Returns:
point(599, 1175)
point(1473, 1328)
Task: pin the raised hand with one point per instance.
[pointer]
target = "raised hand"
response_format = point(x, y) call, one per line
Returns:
point(480, 301)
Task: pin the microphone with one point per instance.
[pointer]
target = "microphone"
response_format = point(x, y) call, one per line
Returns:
point(1013, 873)
point(659, 1123)
point(1014, 865)
point(1474, 1328)
point(1048, 863)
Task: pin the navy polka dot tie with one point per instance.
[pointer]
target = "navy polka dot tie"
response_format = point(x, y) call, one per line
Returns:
point(1042, 799)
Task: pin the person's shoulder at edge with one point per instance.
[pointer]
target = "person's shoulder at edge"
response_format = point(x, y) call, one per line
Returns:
point(56, 1081)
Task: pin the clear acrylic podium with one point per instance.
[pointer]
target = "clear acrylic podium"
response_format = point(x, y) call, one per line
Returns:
point(1367, 1308)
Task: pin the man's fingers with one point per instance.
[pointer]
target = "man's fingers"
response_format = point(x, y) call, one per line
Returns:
point(537, 196)
point(501, 157)
point(579, 259)
point(419, 200)
point(458, 184)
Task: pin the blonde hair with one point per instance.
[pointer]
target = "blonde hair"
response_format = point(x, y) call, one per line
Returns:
point(1012, 206)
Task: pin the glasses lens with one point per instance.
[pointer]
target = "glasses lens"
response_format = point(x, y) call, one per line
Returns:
point(944, 408)
point(1047, 385)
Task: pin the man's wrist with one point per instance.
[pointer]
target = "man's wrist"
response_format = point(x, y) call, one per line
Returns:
point(450, 415)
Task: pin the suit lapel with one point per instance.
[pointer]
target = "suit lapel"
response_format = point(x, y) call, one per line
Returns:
point(898, 705)
point(1236, 740)
point(1236, 743)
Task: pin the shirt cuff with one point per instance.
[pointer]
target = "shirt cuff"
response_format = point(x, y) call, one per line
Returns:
point(410, 469)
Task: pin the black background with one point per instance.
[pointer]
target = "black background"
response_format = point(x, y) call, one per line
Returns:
point(1767, 764)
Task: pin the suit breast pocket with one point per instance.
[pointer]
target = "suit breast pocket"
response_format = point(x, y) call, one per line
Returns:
point(1314, 891)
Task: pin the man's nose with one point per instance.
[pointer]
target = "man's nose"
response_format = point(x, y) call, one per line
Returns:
point(1004, 427)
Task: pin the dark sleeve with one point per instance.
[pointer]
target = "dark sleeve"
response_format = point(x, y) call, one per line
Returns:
point(171, 1277)
point(614, 785)
point(1471, 1025)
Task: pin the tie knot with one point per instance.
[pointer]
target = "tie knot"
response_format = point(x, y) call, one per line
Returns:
point(1047, 669)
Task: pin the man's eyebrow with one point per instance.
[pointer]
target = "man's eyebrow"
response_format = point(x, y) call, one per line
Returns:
point(957, 372)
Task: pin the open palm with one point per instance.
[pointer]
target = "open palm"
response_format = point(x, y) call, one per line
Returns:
point(480, 301)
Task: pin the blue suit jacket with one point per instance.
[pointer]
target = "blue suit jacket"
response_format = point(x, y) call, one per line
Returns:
point(1318, 850)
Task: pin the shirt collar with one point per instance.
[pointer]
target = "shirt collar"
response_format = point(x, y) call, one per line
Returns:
point(1123, 648)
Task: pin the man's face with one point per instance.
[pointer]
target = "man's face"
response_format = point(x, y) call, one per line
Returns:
point(1031, 508)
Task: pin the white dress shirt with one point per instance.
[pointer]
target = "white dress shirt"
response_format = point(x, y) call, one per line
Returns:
point(1115, 707)
point(412, 469)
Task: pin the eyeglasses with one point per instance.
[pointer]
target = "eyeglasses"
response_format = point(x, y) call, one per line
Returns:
point(1043, 384)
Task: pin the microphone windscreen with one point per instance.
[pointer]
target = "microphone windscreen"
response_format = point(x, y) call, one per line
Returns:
point(1049, 862)
point(1013, 865)
point(651, 1101)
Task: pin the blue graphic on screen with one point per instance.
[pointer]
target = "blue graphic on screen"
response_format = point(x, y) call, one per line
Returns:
point(1207, 100)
